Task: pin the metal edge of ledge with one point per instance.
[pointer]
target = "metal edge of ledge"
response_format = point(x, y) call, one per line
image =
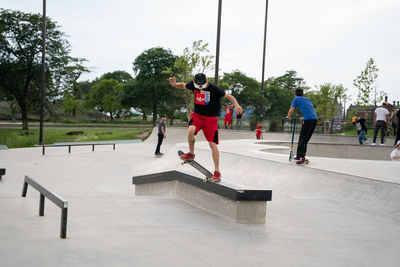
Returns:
point(222, 189)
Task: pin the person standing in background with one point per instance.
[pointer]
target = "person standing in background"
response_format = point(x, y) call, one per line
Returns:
point(258, 130)
point(239, 121)
point(397, 119)
point(161, 135)
point(228, 117)
point(381, 116)
point(395, 155)
point(361, 129)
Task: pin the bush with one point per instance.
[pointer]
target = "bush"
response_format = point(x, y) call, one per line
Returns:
point(348, 127)
point(275, 125)
point(253, 122)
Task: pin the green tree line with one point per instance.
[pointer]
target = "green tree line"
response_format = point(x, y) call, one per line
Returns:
point(118, 93)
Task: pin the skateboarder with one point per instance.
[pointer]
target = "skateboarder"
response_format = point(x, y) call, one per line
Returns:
point(207, 106)
point(161, 135)
point(309, 122)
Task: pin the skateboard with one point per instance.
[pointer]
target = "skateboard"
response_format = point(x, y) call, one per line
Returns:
point(198, 167)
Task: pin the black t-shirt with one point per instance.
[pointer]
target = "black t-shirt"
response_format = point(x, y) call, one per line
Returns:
point(161, 124)
point(207, 102)
point(361, 121)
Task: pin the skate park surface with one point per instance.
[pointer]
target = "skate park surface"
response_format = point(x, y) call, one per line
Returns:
point(332, 212)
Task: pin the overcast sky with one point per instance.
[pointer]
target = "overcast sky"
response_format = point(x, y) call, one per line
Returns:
point(324, 41)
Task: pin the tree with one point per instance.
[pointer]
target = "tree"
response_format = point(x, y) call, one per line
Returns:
point(279, 93)
point(193, 60)
point(245, 89)
point(327, 100)
point(133, 96)
point(103, 96)
point(72, 94)
point(119, 75)
point(20, 60)
point(366, 84)
point(151, 80)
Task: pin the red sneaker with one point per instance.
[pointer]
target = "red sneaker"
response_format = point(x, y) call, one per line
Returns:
point(216, 177)
point(187, 156)
point(300, 161)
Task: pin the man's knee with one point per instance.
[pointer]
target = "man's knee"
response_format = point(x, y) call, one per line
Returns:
point(192, 130)
point(213, 145)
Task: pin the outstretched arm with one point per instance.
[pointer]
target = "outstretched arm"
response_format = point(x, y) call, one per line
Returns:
point(172, 81)
point(238, 108)
point(290, 112)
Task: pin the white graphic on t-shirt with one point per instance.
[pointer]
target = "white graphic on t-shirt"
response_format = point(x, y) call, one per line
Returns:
point(202, 97)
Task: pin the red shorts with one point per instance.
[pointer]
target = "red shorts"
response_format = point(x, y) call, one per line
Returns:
point(209, 126)
point(228, 120)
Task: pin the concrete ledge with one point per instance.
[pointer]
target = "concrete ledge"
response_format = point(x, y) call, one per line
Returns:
point(334, 150)
point(235, 204)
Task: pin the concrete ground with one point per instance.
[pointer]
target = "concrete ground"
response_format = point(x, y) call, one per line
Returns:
point(333, 212)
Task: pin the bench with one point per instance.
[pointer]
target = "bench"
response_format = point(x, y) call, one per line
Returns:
point(76, 144)
point(2, 172)
point(222, 199)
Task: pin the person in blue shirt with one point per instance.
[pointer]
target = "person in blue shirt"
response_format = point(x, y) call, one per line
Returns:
point(309, 122)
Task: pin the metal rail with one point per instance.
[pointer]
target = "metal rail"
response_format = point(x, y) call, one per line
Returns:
point(61, 203)
point(69, 146)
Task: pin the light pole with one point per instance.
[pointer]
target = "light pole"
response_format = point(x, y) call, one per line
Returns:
point(218, 41)
point(263, 62)
point(42, 89)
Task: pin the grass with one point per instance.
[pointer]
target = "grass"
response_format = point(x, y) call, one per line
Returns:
point(85, 125)
point(15, 138)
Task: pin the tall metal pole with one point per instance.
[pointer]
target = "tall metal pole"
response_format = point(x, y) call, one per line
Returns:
point(42, 90)
point(263, 63)
point(218, 41)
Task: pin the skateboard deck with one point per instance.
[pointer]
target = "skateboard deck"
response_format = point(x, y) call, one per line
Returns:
point(198, 167)
point(307, 161)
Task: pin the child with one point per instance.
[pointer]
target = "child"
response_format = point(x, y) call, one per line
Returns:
point(258, 130)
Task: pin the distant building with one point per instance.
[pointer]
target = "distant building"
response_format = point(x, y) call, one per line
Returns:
point(356, 110)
